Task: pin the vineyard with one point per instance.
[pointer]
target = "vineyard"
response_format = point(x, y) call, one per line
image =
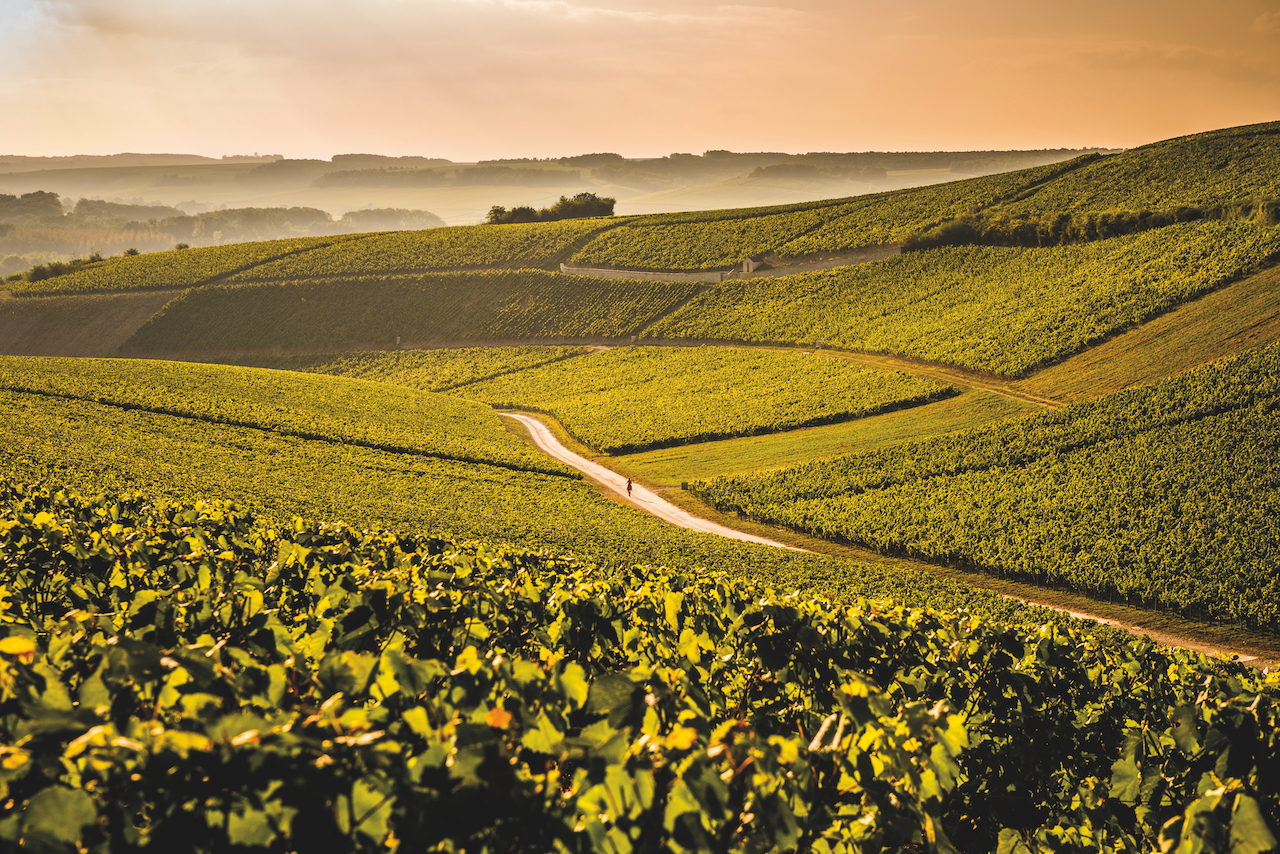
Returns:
point(424, 370)
point(1006, 311)
point(175, 268)
point(356, 313)
point(528, 245)
point(1233, 165)
point(1163, 495)
point(289, 404)
point(721, 239)
point(317, 686)
point(892, 216)
point(326, 600)
point(637, 398)
point(713, 245)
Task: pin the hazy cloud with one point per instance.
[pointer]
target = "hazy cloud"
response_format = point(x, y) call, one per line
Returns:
point(481, 78)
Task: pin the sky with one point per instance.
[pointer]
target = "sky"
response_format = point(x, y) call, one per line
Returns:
point(482, 79)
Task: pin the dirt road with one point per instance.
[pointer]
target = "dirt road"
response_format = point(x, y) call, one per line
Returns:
point(642, 498)
point(647, 501)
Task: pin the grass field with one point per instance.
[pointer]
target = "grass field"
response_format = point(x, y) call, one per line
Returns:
point(669, 467)
point(1240, 316)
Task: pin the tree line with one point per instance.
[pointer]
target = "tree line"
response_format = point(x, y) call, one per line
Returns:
point(580, 206)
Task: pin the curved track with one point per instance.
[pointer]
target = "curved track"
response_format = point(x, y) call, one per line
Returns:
point(642, 498)
point(646, 501)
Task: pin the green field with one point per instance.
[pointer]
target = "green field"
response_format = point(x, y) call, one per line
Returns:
point(176, 268)
point(1164, 495)
point(670, 467)
point(1239, 316)
point(289, 404)
point(425, 370)
point(1005, 311)
point(1236, 164)
point(529, 245)
point(636, 398)
point(443, 307)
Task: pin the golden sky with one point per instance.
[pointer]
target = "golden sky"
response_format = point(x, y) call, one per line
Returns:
point(471, 79)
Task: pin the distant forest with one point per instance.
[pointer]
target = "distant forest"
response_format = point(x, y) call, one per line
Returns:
point(36, 229)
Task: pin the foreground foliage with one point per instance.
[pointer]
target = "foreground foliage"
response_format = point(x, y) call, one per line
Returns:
point(180, 677)
point(636, 398)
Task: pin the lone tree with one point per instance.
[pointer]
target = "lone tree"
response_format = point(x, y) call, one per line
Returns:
point(580, 206)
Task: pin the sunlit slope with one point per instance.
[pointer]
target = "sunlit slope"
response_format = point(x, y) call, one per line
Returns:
point(1002, 310)
point(171, 269)
point(1240, 316)
point(1164, 495)
point(348, 314)
point(1235, 164)
point(328, 409)
point(279, 473)
point(425, 370)
point(524, 245)
point(721, 239)
point(637, 398)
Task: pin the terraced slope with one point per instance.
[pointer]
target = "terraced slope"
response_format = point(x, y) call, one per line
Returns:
point(721, 239)
point(176, 268)
point(87, 325)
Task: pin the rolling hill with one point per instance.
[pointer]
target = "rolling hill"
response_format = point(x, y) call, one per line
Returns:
point(330, 595)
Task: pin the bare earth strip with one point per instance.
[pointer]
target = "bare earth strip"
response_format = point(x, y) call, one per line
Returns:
point(1134, 620)
point(80, 325)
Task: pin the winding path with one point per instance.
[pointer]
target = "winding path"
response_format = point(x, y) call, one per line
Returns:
point(648, 502)
point(641, 497)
